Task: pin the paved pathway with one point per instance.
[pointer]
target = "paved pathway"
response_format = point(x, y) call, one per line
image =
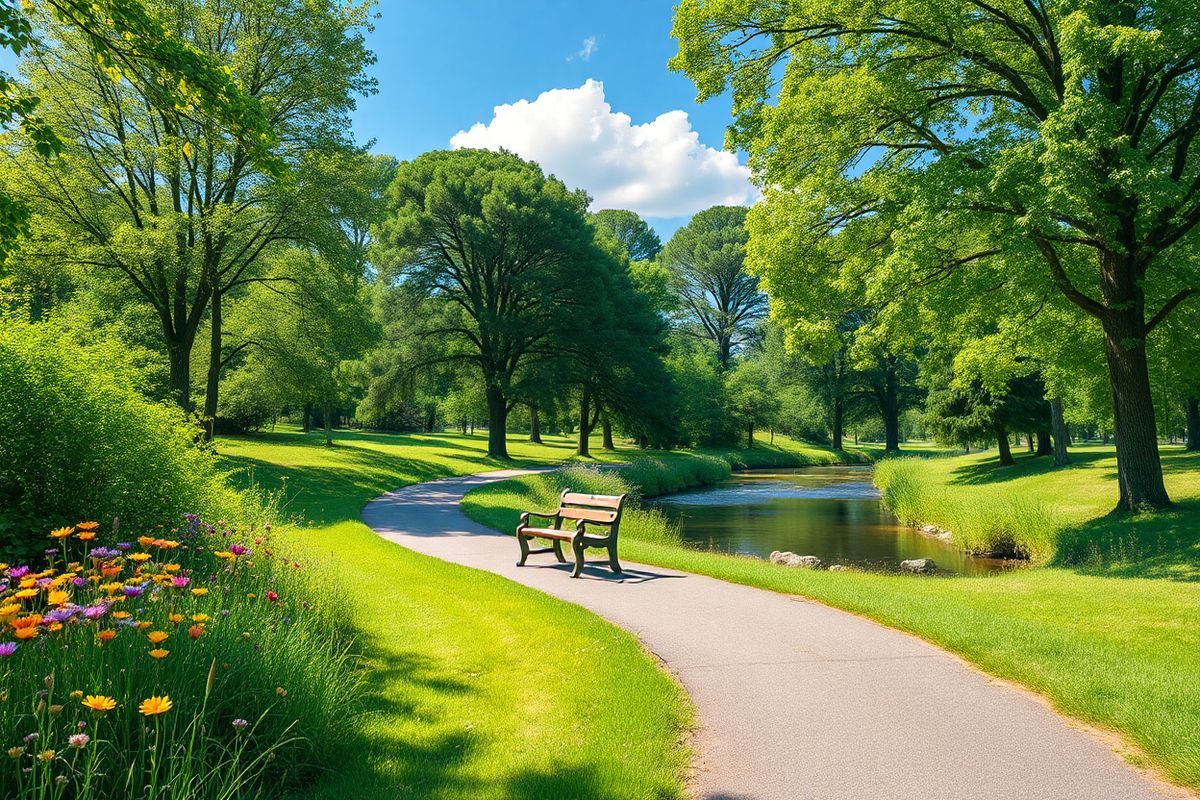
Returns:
point(798, 701)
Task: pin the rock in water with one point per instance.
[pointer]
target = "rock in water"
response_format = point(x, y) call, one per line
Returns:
point(921, 566)
point(790, 559)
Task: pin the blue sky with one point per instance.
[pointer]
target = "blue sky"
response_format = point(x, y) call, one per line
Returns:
point(444, 66)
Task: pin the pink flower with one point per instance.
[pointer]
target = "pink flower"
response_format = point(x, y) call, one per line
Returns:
point(180, 581)
point(274, 598)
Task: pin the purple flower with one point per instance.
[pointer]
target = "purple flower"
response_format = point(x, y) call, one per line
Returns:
point(96, 611)
point(239, 549)
point(30, 738)
point(61, 614)
point(133, 591)
point(42, 583)
point(240, 725)
point(51, 551)
point(7, 649)
point(104, 552)
point(18, 572)
point(79, 581)
point(124, 546)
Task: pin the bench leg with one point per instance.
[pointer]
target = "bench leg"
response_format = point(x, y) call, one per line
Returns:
point(524, 543)
point(578, 549)
point(612, 558)
point(558, 553)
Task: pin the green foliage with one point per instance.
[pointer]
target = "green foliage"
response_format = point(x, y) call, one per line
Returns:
point(636, 238)
point(719, 301)
point(80, 442)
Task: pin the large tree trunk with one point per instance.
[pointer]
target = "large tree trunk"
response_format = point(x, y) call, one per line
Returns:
point(606, 431)
point(179, 356)
point(1193, 424)
point(837, 423)
point(213, 383)
point(535, 428)
point(1006, 456)
point(1061, 433)
point(750, 435)
point(1044, 448)
point(306, 422)
point(891, 408)
point(585, 413)
point(724, 347)
point(1139, 471)
point(497, 406)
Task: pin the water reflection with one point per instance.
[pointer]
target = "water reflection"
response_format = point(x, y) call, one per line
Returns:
point(830, 512)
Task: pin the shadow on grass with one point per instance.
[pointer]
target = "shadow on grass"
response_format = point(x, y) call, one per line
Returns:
point(1026, 465)
point(1165, 544)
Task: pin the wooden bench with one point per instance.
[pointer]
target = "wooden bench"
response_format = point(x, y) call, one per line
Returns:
point(598, 510)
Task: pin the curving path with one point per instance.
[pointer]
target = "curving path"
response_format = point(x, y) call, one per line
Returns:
point(796, 700)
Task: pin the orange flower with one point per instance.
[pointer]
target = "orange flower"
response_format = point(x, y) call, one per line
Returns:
point(26, 633)
point(141, 626)
point(110, 572)
point(195, 631)
point(176, 619)
point(106, 636)
point(153, 706)
point(145, 541)
point(99, 703)
point(85, 536)
point(157, 637)
point(60, 533)
point(159, 653)
point(28, 621)
point(87, 526)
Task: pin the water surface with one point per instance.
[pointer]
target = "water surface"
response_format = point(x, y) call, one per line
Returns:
point(833, 513)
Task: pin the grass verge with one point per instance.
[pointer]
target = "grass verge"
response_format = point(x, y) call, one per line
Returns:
point(1114, 641)
point(478, 687)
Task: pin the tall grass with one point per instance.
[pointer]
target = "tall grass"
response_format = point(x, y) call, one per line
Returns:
point(1006, 524)
point(248, 646)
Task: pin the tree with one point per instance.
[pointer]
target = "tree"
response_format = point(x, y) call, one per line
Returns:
point(720, 300)
point(505, 245)
point(636, 238)
point(1054, 142)
point(124, 35)
point(156, 196)
point(751, 398)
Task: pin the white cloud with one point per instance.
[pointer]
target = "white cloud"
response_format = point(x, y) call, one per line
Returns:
point(658, 169)
point(585, 52)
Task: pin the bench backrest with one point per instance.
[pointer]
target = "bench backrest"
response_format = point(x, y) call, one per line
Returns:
point(600, 509)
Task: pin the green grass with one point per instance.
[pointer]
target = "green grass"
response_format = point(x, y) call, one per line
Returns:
point(479, 687)
point(1113, 640)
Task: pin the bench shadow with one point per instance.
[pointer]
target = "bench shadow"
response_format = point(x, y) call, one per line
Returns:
point(600, 571)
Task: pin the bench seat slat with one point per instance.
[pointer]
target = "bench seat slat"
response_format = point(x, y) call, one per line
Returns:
point(593, 500)
point(549, 533)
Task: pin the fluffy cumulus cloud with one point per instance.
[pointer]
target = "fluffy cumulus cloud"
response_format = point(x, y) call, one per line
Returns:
point(658, 169)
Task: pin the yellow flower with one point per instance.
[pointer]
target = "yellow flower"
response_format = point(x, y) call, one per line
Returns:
point(121, 615)
point(158, 652)
point(153, 706)
point(99, 703)
point(46, 755)
point(26, 633)
point(111, 587)
point(58, 598)
point(170, 568)
point(139, 557)
point(225, 554)
point(9, 610)
point(145, 541)
point(54, 627)
point(200, 617)
point(141, 626)
point(61, 533)
point(25, 594)
point(166, 544)
point(157, 637)
point(77, 695)
point(199, 592)
point(176, 619)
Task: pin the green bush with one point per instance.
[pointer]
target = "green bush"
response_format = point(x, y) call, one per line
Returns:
point(79, 442)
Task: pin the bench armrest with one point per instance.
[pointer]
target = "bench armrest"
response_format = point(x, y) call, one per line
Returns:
point(548, 517)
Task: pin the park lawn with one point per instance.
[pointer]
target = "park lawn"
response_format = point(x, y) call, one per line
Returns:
point(479, 687)
point(1113, 640)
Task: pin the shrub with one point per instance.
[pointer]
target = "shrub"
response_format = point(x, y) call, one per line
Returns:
point(195, 664)
point(77, 440)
